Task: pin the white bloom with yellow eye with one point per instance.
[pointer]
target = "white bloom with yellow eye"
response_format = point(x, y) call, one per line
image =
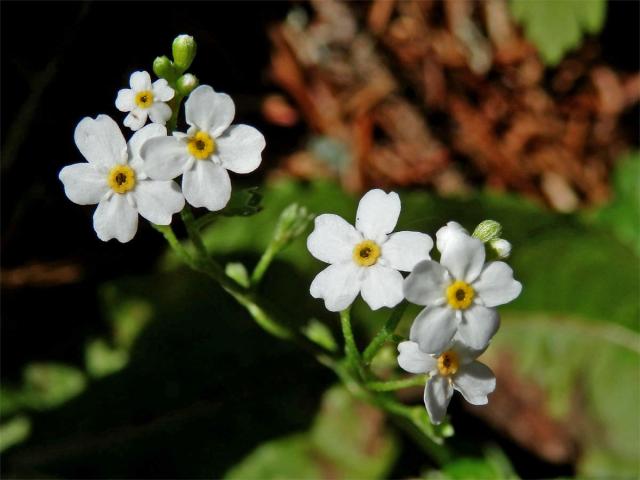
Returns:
point(114, 178)
point(145, 100)
point(210, 147)
point(453, 369)
point(459, 292)
point(366, 259)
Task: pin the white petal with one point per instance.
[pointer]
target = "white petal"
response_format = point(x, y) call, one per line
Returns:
point(209, 110)
point(162, 92)
point(83, 184)
point(338, 285)
point(382, 287)
point(478, 325)
point(141, 136)
point(466, 354)
point(404, 250)
point(164, 157)
point(115, 218)
point(444, 233)
point(433, 329)
point(100, 141)
point(413, 360)
point(496, 285)
point(427, 283)
point(475, 381)
point(125, 101)
point(140, 81)
point(159, 113)
point(377, 214)
point(463, 256)
point(437, 395)
point(332, 239)
point(157, 201)
point(207, 185)
point(240, 148)
point(136, 119)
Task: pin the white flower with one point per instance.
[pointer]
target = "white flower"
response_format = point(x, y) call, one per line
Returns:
point(454, 369)
point(144, 100)
point(460, 293)
point(366, 258)
point(114, 179)
point(204, 154)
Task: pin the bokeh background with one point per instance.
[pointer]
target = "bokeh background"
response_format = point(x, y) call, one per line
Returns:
point(117, 362)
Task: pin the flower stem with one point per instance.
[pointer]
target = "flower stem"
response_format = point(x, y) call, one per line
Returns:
point(350, 348)
point(175, 111)
point(418, 380)
point(385, 333)
point(263, 264)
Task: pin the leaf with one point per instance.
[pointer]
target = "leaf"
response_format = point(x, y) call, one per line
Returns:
point(14, 431)
point(243, 203)
point(347, 440)
point(557, 26)
point(47, 385)
point(570, 358)
point(622, 215)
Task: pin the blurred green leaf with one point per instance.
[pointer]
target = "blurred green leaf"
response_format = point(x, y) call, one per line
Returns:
point(557, 26)
point(622, 215)
point(14, 431)
point(596, 362)
point(243, 203)
point(347, 440)
point(102, 359)
point(47, 385)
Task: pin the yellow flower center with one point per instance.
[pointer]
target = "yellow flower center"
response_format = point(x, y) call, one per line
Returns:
point(366, 253)
point(460, 295)
point(144, 99)
point(201, 145)
point(122, 178)
point(448, 363)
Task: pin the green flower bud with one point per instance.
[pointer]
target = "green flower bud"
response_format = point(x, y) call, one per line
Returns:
point(500, 248)
point(487, 230)
point(186, 83)
point(163, 68)
point(292, 222)
point(184, 51)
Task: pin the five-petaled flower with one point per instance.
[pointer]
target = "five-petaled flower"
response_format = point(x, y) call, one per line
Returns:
point(459, 292)
point(145, 99)
point(210, 147)
point(114, 178)
point(454, 369)
point(367, 258)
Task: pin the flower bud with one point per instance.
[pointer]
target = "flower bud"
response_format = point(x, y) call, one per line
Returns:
point(163, 68)
point(487, 230)
point(184, 51)
point(292, 222)
point(186, 83)
point(500, 247)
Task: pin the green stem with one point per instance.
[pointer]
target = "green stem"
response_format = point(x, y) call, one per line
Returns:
point(415, 381)
point(263, 264)
point(175, 111)
point(385, 333)
point(350, 348)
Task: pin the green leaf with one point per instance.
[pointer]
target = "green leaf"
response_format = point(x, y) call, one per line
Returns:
point(347, 440)
point(47, 385)
point(243, 203)
point(622, 215)
point(14, 431)
point(571, 358)
point(101, 359)
point(557, 26)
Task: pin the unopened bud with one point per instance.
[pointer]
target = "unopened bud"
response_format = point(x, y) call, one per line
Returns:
point(184, 51)
point(238, 272)
point(487, 230)
point(292, 222)
point(186, 83)
point(163, 68)
point(500, 247)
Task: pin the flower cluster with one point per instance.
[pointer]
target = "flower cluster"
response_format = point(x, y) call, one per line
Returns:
point(459, 293)
point(127, 179)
